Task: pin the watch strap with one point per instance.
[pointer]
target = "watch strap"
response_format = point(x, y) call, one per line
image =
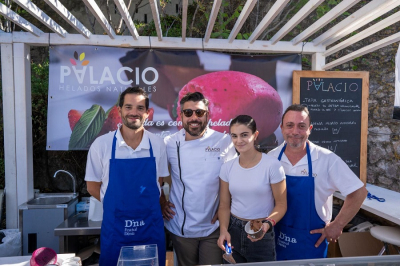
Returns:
point(270, 224)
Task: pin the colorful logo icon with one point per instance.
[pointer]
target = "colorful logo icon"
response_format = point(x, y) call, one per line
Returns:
point(80, 58)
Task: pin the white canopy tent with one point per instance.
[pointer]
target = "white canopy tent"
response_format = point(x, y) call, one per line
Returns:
point(15, 56)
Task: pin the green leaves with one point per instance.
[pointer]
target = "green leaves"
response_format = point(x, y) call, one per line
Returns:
point(87, 128)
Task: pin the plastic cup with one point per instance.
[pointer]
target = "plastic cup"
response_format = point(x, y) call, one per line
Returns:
point(43, 256)
point(251, 233)
point(144, 255)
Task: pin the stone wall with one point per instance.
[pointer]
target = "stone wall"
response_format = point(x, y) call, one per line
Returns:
point(383, 167)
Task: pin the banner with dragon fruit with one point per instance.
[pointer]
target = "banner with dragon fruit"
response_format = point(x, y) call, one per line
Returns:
point(86, 81)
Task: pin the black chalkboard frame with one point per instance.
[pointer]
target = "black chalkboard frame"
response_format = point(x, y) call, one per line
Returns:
point(364, 104)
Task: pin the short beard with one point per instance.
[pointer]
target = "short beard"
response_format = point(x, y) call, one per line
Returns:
point(198, 133)
point(132, 126)
point(295, 145)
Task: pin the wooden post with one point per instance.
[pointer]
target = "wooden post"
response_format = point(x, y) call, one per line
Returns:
point(317, 61)
point(23, 122)
point(10, 163)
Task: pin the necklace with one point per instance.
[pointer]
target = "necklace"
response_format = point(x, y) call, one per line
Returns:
point(250, 163)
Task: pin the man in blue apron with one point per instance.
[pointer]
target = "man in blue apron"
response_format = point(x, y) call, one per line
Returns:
point(123, 170)
point(313, 174)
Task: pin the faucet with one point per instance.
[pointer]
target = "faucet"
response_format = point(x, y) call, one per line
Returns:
point(73, 179)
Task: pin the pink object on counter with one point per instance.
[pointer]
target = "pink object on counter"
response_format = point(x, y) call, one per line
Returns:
point(43, 256)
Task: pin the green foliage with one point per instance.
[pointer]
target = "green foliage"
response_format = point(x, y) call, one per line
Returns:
point(40, 77)
point(223, 30)
point(39, 87)
point(171, 26)
point(325, 7)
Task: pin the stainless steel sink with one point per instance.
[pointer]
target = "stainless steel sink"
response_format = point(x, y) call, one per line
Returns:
point(52, 199)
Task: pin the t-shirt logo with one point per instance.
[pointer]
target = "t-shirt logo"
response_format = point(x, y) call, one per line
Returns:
point(305, 172)
point(216, 149)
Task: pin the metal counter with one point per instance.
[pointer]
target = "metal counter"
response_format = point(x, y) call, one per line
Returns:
point(392, 260)
point(76, 225)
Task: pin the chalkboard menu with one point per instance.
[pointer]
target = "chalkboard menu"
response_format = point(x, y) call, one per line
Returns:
point(338, 105)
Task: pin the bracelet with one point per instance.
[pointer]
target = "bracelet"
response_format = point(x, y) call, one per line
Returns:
point(269, 223)
point(272, 220)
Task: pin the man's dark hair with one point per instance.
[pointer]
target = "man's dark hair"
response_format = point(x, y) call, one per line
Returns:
point(245, 120)
point(194, 97)
point(133, 90)
point(297, 108)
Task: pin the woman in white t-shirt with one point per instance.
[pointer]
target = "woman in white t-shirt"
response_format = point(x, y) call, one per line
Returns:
point(252, 187)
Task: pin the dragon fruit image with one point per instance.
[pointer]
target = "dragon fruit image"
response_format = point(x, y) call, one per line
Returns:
point(233, 93)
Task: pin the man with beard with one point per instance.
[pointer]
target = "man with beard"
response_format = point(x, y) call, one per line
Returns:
point(123, 171)
point(195, 155)
point(313, 174)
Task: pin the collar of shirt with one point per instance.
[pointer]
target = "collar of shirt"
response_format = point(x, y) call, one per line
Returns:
point(144, 144)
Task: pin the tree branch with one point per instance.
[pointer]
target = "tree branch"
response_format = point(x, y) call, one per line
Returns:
point(194, 17)
point(281, 21)
point(118, 30)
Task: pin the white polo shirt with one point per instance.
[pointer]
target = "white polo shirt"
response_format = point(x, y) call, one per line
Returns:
point(195, 167)
point(98, 160)
point(330, 173)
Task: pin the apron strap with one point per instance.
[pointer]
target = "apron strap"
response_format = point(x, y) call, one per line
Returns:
point(281, 153)
point(151, 149)
point(308, 158)
point(113, 145)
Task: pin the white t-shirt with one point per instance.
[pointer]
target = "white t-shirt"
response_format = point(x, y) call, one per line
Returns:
point(330, 173)
point(250, 188)
point(195, 180)
point(98, 160)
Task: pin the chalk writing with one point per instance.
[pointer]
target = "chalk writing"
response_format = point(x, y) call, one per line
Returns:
point(335, 108)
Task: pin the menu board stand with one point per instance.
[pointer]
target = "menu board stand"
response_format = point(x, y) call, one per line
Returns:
point(338, 105)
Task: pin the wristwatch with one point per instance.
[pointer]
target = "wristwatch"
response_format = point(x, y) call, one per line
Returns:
point(270, 225)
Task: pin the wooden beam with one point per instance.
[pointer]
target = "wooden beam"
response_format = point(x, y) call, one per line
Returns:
point(211, 20)
point(41, 16)
point(296, 19)
point(171, 43)
point(5, 37)
point(20, 21)
point(365, 33)
point(123, 10)
point(156, 18)
point(322, 22)
point(248, 7)
point(365, 50)
point(271, 15)
point(101, 19)
point(10, 159)
point(67, 16)
point(364, 15)
point(184, 18)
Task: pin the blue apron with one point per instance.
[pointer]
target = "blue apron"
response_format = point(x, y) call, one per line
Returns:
point(132, 214)
point(293, 238)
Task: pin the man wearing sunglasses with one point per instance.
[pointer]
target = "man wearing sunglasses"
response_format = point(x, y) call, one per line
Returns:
point(195, 155)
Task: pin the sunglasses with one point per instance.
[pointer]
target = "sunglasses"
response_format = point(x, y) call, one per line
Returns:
point(198, 112)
